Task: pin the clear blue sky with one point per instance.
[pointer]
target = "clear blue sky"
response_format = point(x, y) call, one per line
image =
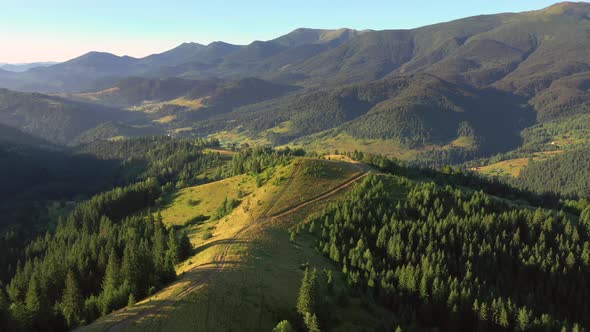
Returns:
point(43, 30)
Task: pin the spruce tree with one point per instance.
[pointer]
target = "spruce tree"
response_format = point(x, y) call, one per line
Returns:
point(4, 313)
point(131, 300)
point(186, 247)
point(523, 319)
point(33, 298)
point(110, 284)
point(283, 326)
point(72, 301)
point(173, 247)
point(307, 299)
point(311, 322)
point(159, 251)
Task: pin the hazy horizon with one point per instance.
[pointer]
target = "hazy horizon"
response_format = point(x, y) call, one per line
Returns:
point(46, 31)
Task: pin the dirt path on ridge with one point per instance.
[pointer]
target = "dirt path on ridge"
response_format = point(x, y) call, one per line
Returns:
point(220, 258)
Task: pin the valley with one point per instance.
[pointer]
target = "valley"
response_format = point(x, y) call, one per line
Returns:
point(430, 178)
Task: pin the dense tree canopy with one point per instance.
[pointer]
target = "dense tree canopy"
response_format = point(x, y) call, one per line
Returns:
point(566, 174)
point(99, 256)
point(459, 260)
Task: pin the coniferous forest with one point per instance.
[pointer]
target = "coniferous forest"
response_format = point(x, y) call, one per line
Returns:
point(438, 248)
point(113, 250)
point(459, 259)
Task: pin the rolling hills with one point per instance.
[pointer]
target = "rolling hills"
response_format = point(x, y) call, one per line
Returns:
point(134, 91)
point(450, 87)
point(20, 67)
point(521, 52)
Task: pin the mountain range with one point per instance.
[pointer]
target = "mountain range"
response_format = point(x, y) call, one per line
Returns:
point(466, 80)
point(429, 179)
point(20, 67)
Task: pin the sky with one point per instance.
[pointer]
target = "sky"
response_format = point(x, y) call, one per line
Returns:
point(58, 30)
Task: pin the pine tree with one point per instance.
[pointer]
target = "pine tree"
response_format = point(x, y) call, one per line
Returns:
point(311, 321)
point(110, 284)
point(131, 300)
point(307, 300)
point(570, 260)
point(72, 301)
point(523, 319)
point(186, 246)
point(170, 271)
point(483, 311)
point(283, 326)
point(33, 298)
point(173, 247)
point(503, 317)
point(21, 316)
point(159, 251)
point(4, 313)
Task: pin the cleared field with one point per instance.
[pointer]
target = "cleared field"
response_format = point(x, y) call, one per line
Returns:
point(286, 127)
point(117, 138)
point(152, 107)
point(314, 177)
point(165, 119)
point(96, 96)
point(327, 143)
point(190, 203)
point(234, 137)
point(181, 130)
point(513, 167)
point(462, 142)
point(193, 104)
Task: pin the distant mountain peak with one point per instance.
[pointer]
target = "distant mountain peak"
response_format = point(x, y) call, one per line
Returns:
point(97, 54)
point(189, 45)
point(100, 56)
point(221, 44)
point(302, 36)
point(568, 8)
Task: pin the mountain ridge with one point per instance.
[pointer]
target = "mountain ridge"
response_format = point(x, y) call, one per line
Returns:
point(316, 57)
point(535, 63)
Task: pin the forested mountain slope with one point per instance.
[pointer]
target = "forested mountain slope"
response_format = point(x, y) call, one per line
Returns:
point(56, 119)
point(422, 89)
point(522, 52)
point(567, 174)
point(136, 90)
point(414, 110)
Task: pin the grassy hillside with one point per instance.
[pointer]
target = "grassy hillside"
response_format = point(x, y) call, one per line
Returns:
point(513, 167)
point(260, 267)
point(200, 203)
point(250, 263)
